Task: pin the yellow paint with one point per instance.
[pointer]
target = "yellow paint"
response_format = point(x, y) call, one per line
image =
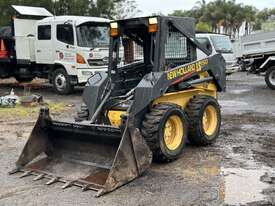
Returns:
point(179, 72)
point(182, 98)
point(210, 120)
point(115, 117)
point(22, 112)
point(173, 132)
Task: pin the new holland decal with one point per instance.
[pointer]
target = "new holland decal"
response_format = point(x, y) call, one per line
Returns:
point(181, 71)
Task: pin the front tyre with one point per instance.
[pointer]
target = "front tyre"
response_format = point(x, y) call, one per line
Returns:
point(61, 82)
point(204, 120)
point(270, 78)
point(165, 131)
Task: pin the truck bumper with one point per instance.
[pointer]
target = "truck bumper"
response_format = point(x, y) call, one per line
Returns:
point(231, 70)
point(84, 73)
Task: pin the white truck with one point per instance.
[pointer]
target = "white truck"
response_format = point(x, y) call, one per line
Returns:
point(67, 50)
point(257, 52)
point(218, 43)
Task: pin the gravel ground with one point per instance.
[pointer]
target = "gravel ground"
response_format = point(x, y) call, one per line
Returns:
point(236, 170)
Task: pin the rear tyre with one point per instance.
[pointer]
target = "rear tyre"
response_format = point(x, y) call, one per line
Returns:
point(204, 120)
point(165, 131)
point(61, 82)
point(23, 79)
point(270, 78)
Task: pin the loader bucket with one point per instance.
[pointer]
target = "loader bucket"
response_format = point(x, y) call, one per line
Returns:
point(96, 157)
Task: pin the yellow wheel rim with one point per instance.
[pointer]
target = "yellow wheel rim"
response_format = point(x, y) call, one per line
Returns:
point(173, 132)
point(210, 120)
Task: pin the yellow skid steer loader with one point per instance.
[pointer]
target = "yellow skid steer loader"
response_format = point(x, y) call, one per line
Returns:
point(154, 97)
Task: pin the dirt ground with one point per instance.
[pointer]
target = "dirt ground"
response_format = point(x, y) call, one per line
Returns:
point(237, 170)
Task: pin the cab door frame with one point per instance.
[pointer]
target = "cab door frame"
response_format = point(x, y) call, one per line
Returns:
point(44, 48)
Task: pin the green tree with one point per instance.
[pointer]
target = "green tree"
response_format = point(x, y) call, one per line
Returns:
point(249, 13)
point(126, 9)
point(261, 17)
point(7, 11)
point(203, 27)
point(72, 7)
point(101, 8)
point(225, 16)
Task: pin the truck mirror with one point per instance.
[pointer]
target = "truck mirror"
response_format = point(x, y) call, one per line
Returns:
point(209, 47)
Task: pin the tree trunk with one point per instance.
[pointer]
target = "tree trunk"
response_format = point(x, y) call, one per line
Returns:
point(246, 28)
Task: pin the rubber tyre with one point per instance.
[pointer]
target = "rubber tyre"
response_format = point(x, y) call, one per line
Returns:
point(195, 111)
point(23, 79)
point(153, 131)
point(268, 74)
point(68, 88)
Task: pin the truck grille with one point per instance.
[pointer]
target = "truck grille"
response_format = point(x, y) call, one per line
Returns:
point(98, 62)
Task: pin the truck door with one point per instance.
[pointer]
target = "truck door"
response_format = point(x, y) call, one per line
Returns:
point(43, 45)
point(65, 44)
point(206, 43)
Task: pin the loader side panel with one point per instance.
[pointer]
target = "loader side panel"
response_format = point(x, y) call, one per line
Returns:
point(183, 97)
point(94, 91)
point(155, 85)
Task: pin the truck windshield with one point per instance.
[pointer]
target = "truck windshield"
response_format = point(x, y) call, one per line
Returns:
point(92, 36)
point(222, 44)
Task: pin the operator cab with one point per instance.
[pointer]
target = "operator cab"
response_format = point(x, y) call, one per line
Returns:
point(136, 51)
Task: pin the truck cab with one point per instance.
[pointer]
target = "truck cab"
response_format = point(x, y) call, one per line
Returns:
point(218, 43)
point(78, 45)
point(66, 50)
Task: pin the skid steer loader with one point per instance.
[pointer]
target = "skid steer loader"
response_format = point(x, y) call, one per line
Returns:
point(155, 95)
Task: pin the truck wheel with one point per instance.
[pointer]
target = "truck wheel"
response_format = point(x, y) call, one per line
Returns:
point(61, 82)
point(204, 120)
point(23, 79)
point(270, 78)
point(165, 131)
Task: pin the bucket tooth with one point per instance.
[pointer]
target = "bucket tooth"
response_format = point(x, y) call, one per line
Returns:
point(25, 174)
point(85, 187)
point(16, 170)
point(53, 180)
point(99, 193)
point(39, 177)
point(68, 184)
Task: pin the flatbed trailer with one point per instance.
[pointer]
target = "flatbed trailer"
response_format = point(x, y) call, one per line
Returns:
point(257, 51)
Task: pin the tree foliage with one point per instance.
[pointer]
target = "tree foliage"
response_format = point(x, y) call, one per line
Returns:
point(126, 9)
point(101, 8)
point(225, 16)
point(262, 17)
point(203, 27)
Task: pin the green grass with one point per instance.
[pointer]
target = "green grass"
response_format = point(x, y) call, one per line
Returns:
point(22, 112)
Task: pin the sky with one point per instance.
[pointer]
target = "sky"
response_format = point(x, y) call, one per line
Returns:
point(148, 7)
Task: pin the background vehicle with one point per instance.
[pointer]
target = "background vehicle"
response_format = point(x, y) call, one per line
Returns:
point(257, 52)
point(218, 43)
point(136, 111)
point(67, 50)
